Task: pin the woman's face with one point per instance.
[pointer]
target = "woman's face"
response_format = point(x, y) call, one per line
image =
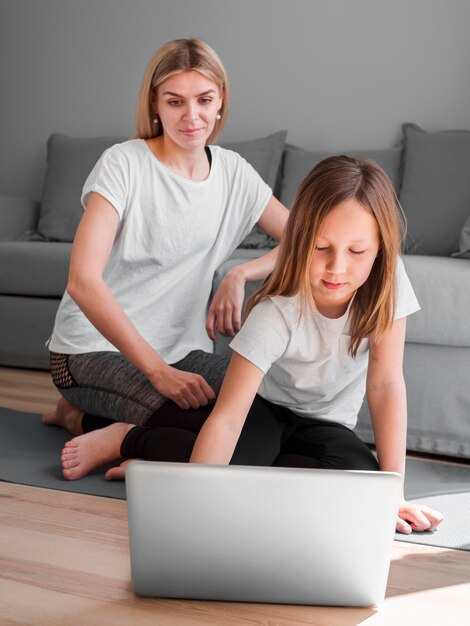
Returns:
point(344, 255)
point(187, 104)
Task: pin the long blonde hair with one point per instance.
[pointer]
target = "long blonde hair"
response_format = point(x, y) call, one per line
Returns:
point(333, 180)
point(179, 55)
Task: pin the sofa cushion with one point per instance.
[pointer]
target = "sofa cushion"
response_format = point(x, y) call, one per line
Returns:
point(34, 268)
point(464, 242)
point(69, 161)
point(18, 217)
point(265, 156)
point(435, 190)
point(299, 162)
point(441, 286)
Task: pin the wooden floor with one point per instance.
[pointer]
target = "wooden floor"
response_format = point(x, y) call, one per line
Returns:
point(64, 561)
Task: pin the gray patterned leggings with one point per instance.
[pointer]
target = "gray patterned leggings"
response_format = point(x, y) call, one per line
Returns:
point(107, 385)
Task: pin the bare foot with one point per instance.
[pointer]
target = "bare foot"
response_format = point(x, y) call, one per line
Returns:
point(86, 453)
point(66, 416)
point(118, 472)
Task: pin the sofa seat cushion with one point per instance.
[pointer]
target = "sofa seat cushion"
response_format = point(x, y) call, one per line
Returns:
point(441, 286)
point(30, 268)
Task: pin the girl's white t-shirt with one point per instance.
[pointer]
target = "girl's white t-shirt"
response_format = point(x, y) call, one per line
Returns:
point(172, 235)
point(305, 358)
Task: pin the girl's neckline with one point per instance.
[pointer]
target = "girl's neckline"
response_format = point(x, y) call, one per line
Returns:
point(333, 320)
point(210, 156)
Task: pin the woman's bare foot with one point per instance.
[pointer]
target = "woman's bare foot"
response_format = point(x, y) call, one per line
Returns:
point(118, 472)
point(86, 453)
point(66, 416)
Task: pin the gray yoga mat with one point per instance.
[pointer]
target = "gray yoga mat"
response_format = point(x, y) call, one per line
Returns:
point(30, 455)
point(454, 532)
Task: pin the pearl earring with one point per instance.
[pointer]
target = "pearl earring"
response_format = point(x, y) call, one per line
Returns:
point(218, 116)
point(155, 120)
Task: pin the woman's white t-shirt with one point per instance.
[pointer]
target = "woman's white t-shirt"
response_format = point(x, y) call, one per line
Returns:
point(305, 358)
point(172, 235)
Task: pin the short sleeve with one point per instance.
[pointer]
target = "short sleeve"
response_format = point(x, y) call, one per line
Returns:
point(263, 337)
point(259, 191)
point(109, 178)
point(249, 193)
point(406, 302)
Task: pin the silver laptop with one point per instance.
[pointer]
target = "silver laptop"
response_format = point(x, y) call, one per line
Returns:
point(260, 534)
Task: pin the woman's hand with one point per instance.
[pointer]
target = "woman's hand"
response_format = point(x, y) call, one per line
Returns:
point(225, 312)
point(417, 517)
point(186, 389)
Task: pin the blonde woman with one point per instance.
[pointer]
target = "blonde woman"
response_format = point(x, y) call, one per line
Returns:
point(163, 211)
point(328, 325)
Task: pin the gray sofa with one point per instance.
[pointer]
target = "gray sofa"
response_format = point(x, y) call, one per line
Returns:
point(430, 174)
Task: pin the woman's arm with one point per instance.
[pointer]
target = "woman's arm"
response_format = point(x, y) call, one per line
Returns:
point(386, 396)
point(90, 253)
point(226, 306)
point(218, 437)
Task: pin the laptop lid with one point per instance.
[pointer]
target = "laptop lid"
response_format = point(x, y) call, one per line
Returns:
point(261, 534)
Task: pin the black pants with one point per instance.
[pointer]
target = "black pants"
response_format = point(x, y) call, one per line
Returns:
point(272, 435)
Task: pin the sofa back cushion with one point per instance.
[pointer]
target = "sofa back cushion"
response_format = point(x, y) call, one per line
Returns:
point(71, 159)
point(464, 241)
point(265, 155)
point(435, 189)
point(298, 163)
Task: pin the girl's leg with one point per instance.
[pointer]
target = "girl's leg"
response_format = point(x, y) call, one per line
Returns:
point(171, 433)
point(106, 387)
point(171, 436)
point(328, 445)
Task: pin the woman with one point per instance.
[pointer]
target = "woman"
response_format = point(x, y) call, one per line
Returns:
point(163, 210)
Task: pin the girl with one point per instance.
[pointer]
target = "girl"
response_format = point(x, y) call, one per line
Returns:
point(327, 325)
point(163, 211)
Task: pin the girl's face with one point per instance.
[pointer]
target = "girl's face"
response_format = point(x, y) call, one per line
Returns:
point(187, 104)
point(343, 258)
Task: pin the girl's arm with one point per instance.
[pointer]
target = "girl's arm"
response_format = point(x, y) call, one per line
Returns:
point(226, 306)
point(218, 437)
point(90, 253)
point(386, 396)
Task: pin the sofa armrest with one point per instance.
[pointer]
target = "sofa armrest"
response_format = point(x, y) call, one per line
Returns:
point(17, 215)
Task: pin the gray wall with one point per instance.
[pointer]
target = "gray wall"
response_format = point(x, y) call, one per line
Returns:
point(339, 74)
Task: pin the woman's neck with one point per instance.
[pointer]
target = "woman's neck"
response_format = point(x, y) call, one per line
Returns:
point(191, 164)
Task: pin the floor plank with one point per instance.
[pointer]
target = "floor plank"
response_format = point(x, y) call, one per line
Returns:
point(31, 391)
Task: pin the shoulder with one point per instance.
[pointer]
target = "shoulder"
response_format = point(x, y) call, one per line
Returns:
point(126, 150)
point(283, 310)
point(231, 161)
point(289, 307)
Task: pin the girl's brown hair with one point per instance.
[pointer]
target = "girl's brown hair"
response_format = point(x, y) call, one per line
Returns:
point(333, 180)
point(179, 55)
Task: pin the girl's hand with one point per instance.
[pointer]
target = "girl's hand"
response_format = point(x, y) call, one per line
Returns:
point(186, 389)
point(226, 308)
point(417, 517)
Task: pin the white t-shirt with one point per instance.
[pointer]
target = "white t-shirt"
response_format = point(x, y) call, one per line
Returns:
point(306, 362)
point(172, 235)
